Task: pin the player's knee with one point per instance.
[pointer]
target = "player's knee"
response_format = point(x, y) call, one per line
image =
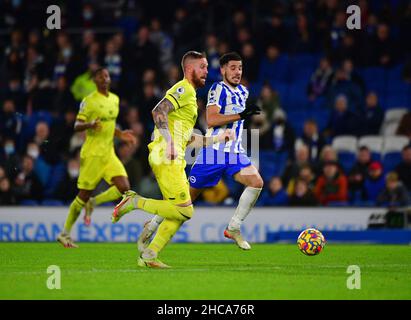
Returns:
point(123, 187)
point(257, 183)
point(186, 212)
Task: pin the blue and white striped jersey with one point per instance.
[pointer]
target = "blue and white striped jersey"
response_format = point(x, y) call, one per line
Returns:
point(230, 101)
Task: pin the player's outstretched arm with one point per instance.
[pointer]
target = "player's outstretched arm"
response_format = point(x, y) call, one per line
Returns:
point(215, 118)
point(160, 117)
point(198, 141)
point(80, 125)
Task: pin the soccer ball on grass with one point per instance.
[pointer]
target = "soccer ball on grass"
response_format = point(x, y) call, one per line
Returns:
point(311, 242)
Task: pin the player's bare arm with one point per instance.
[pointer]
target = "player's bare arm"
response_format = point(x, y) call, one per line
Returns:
point(81, 125)
point(215, 118)
point(160, 117)
point(198, 140)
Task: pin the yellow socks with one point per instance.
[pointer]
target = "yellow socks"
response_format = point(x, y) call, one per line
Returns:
point(74, 212)
point(165, 209)
point(110, 194)
point(165, 232)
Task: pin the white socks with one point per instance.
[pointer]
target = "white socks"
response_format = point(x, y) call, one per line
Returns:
point(245, 204)
point(154, 223)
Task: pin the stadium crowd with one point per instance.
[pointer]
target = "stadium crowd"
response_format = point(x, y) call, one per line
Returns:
point(315, 80)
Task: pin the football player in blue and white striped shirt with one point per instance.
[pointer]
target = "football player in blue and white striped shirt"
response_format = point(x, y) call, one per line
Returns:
point(226, 109)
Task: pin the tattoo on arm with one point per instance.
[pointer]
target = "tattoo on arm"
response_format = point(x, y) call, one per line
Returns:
point(160, 117)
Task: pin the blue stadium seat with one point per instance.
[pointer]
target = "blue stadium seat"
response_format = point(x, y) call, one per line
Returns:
point(52, 202)
point(391, 160)
point(29, 202)
point(347, 160)
point(272, 164)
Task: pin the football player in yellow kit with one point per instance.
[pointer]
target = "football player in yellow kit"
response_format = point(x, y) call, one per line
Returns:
point(174, 116)
point(97, 116)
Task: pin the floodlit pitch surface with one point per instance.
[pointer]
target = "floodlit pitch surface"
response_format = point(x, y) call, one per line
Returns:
point(205, 271)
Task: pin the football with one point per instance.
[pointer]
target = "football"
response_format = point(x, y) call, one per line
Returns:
point(311, 242)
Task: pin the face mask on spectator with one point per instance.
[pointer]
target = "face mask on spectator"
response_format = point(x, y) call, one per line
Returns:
point(33, 152)
point(73, 173)
point(9, 148)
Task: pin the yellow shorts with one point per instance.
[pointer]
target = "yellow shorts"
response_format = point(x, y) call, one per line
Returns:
point(171, 178)
point(93, 169)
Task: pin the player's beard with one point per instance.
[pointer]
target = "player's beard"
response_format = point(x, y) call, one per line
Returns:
point(231, 83)
point(198, 82)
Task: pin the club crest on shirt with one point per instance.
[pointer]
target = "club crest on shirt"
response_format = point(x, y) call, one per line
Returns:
point(179, 92)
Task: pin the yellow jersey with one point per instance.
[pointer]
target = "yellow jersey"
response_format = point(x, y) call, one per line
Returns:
point(181, 120)
point(97, 105)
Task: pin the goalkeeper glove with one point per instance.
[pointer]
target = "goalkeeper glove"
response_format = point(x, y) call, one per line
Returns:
point(250, 111)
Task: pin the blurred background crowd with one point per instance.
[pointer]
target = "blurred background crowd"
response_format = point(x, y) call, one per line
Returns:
point(336, 125)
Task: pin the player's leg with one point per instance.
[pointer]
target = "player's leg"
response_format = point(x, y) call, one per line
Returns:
point(115, 175)
point(150, 227)
point(74, 211)
point(251, 179)
point(90, 176)
point(204, 173)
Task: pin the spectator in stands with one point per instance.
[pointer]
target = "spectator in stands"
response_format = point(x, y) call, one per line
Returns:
point(269, 101)
point(332, 185)
point(404, 128)
point(342, 121)
point(9, 157)
point(41, 168)
point(302, 196)
point(293, 168)
point(67, 188)
point(83, 84)
point(404, 167)
point(251, 60)
point(145, 53)
point(278, 136)
point(375, 182)
point(394, 194)
point(62, 131)
point(11, 123)
point(306, 173)
point(48, 149)
point(269, 64)
point(303, 38)
point(312, 139)
point(27, 185)
point(382, 49)
point(358, 174)
point(275, 195)
point(6, 195)
point(320, 80)
point(61, 98)
point(372, 115)
point(113, 62)
point(352, 75)
point(327, 154)
point(133, 166)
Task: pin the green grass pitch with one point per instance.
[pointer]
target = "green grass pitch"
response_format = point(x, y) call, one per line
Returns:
point(204, 271)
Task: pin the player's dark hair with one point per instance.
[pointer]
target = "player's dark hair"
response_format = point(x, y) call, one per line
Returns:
point(230, 56)
point(97, 71)
point(191, 55)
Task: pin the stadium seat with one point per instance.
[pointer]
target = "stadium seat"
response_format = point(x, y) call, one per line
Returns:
point(52, 202)
point(375, 144)
point(347, 160)
point(395, 143)
point(345, 144)
point(394, 115)
point(391, 160)
point(29, 202)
